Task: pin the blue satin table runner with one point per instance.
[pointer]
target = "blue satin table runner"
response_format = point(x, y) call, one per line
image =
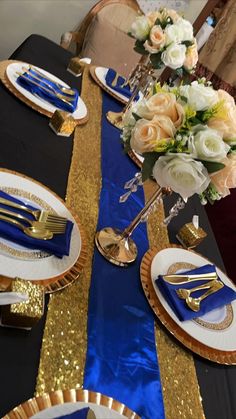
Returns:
point(121, 354)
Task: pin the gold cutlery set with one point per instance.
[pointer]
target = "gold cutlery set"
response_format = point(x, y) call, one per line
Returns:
point(44, 225)
point(67, 95)
point(213, 285)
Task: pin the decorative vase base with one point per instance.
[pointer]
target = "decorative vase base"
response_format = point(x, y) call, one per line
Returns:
point(115, 119)
point(116, 248)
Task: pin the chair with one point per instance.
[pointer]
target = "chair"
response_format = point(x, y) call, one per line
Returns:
point(102, 35)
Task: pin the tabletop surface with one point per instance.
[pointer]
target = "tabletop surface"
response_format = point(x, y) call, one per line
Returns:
point(30, 147)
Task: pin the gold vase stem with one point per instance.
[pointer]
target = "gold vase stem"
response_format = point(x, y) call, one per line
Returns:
point(129, 230)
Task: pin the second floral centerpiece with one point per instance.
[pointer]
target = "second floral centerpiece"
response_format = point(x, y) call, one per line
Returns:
point(187, 136)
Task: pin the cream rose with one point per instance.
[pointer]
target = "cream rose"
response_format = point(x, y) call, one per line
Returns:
point(199, 97)
point(173, 15)
point(156, 40)
point(182, 174)
point(146, 134)
point(186, 30)
point(191, 57)
point(152, 17)
point(140, 28)
point(225, 178)
point(208, 145)
point(174, 56)
point(226, 125)
point(164, 104)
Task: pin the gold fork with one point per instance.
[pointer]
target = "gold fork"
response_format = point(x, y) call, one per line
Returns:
point(59, 95)
point(32, 231)
point(56, 228)
point(115, 80)
point(184, 292)
point(39, 215)
point(64, 89)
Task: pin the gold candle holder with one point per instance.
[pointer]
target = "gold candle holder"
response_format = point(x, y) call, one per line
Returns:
point(191, 235)
point(62, 123)
point(26, 313)
point(76, 66)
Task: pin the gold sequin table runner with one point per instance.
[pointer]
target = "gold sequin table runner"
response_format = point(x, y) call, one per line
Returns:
point(65, 336)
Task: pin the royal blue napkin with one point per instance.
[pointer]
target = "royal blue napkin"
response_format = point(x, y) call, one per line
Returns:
point(220, 298)
point(79, 414)
point(40, 91)
point(59, 245)
point(123, 90)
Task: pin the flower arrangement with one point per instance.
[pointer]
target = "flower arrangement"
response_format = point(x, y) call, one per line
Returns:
point(187, 136)
point(168, 38)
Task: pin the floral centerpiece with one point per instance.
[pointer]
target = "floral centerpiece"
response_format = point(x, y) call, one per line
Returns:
point(168, 38)
point(187, 136)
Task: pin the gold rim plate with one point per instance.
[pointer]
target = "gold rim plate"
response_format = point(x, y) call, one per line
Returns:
point(63, 280)
point(60, 397)
point(104, 87)
point(31, 104)
point(210, 353)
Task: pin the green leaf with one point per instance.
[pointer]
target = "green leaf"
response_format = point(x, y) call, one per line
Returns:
point(212, 166)
point(184, 99)
point(156, 60)
point(136, 116)
point(194, 121)
point(139, 48)
point(158, 22)
point(130, 34)
point(148, 163)
point(187, 43)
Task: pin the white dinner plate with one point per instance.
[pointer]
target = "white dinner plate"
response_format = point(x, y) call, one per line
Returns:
point(43, 268)
point(224, 340)
point(11, 72)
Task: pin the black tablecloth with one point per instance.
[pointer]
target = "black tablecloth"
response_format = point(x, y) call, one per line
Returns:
point(30, 147)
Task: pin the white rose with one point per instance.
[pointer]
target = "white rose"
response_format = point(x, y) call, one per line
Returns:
point(208, 145)
point(199, 97)
point(174, 56)
point(182, 174)
point(140, 28)
point(186, 29)
point(173, 34)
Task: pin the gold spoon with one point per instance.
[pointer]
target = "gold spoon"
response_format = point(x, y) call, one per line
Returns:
point(194, 303)
point(184, 292)
point(34, 232)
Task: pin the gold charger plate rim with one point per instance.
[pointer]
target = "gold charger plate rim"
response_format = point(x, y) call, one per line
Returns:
point(212, 354)
point(7, 83)
point(59, 397)
point(67, 278)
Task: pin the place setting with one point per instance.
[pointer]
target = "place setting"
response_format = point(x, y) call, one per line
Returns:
point(43, 91)
point(194, 299)
point(41, 240)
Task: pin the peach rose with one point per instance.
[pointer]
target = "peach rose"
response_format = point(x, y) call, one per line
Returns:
point(152, 17)
point(226, 125)
point(147, 134)
point(173, 15)
point(191, 57)
point(225, 179)
point(156, 40)
point(164, 104)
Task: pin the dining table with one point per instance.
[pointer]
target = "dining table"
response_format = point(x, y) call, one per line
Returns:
point(81, 340)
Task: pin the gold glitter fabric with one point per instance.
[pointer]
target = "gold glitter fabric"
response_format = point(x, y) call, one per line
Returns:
point(181, 393)
point(65, 337)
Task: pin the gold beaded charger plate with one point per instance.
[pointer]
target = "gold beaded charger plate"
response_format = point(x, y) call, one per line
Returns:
point(213, 335)
point(48, 270)
point(42, 106)
point(64, 402)
point(99, 76)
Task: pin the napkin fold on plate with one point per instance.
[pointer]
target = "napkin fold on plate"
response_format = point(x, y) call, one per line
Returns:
point(59, 245)
point(125, 91)
point(28, 80)
point(220, 298)
point(85, 413)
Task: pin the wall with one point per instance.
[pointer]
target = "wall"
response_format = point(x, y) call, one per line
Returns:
point(51, 18)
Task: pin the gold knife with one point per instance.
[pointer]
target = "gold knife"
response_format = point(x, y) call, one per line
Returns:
point(178, 279)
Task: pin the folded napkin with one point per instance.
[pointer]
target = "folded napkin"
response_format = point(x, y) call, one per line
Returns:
point(79, 414)
point(59, 245)
point(30, 77)
point(220, 298)
point(125, 91)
